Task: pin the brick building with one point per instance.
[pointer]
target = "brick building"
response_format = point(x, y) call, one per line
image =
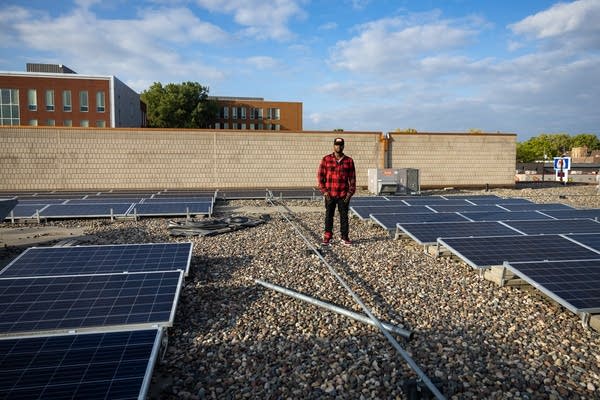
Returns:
point(254, 113)
point(54, 95)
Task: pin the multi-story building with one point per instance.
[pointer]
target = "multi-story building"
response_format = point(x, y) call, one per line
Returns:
point(254, 113)
point(54, 95)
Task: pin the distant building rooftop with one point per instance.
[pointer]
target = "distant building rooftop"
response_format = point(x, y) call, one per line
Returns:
point(51, 68)
point(226, 98)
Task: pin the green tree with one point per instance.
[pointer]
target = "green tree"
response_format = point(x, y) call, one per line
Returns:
point(184, 105)
point(586, 139)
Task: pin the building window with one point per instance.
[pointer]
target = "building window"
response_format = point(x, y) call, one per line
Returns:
point(234, 113)
point(50, 100)
point(84, 123)
point(33, 122)
point(9, 107)
point(277, 127)
point(260, 126)
point(243, 126)
point(258, 113)
point(32, 99)
point(50, 122)
point(273, 113)
point(68, 122)
point(224, 113)
point(251, 127)
point(67, 105)
point(225, 125)
point(101, 123)
point(242, 112)
point(100, 101)
point(83, 101)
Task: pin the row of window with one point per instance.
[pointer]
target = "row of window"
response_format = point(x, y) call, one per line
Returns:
point(67, 122)
point(67, 104)
point(237, 125)
point(254, 113)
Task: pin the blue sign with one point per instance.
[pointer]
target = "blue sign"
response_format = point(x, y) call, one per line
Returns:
point(562, 163)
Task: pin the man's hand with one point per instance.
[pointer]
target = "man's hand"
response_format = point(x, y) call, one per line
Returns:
point(327, 196)
point(347, 198)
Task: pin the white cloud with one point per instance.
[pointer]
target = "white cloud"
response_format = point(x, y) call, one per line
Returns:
point(391, 45)
point(262, 19)
point(149, 45)
point(262, 62)
point(573, 24)
point(328, 26)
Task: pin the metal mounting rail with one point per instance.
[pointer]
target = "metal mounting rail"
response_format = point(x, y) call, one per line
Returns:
point(411, 363)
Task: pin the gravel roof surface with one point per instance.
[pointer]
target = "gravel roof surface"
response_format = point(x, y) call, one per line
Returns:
point(235, 339)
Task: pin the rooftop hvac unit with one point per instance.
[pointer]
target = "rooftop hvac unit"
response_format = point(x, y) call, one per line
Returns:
point(394, 181)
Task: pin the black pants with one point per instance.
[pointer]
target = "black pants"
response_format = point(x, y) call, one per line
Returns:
point(330, 211)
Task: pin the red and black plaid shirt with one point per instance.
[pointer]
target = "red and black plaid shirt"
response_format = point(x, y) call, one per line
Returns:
point(337, 177)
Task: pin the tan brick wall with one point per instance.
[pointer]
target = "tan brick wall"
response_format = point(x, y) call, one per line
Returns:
point(44, 158)
point(456, 160)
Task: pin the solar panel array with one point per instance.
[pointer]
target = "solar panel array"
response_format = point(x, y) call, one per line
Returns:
point(114, 205)
point(86, 321)
point(554, 247)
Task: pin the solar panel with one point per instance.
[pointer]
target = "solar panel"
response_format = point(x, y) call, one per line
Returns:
point(242, 194)
point(428, 233)
point(425, 202)
point(473, 197)
point(85, 210)
point(483, 252)
point(377, 203)
point(555, 226)
point(587, 239)
point(468, 208)
point(84, 302)
point(179, 200)
point(110, 365)
point(574, 284)
point(25, 210)
point(389, 221)
point(514, 201)
point(185, 193)
point(83, 260)
point(504, 215)
point(160, 209)
point(533, 207)
point(364, 212)
point(104, 200)
point(6, 206)
point(593, 213)
point(42, 201)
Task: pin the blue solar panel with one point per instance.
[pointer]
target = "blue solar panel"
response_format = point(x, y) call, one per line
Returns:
point(41, 201)
point(104, 200)
point(179, 200)
point(483, 252)
point(467, 208)
point(587, 239)
point(593, 213)
point(514, 201)
point(25, 210)
point(534, 207)
point(159, 209)
point(389, 221)
point(428, 233)
point(85, 210)
point(38, 304)
point(574, 284)
point(6, 206)
point(504, 215)
point(426, 202)
point(473, 197)
point(110, 365)
point(83, 260)
point(555, 226)
point(364, 212)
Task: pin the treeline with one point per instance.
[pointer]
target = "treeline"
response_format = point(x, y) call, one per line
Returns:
point(554, 145)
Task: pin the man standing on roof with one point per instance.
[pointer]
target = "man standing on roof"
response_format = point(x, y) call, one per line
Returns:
point(337, 182)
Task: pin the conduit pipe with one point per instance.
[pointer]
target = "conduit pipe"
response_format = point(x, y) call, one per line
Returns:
point(332, 307)
point(411, 363)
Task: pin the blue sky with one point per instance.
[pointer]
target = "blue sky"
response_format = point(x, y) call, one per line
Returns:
point(525, 67)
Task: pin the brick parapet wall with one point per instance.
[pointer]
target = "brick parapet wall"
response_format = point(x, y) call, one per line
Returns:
point(46, 158)
point(459, 160)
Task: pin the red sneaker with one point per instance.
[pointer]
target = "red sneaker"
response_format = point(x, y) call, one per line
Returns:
point(326, 239)
point(346, 242)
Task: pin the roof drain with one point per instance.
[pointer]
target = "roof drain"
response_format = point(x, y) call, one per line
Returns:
point(411, 363)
